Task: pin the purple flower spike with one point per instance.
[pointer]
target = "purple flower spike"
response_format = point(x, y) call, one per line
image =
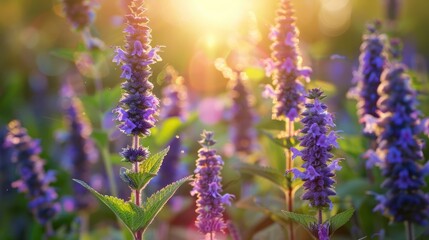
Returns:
point(285, 65)
point(372, 62)
point(317, 141)
point(207, 187)
point(242, 131)
point(174, 104)
point(34, 181)
point(400, 150)
point(138, 107)
point(79, 13)
point(81, 149)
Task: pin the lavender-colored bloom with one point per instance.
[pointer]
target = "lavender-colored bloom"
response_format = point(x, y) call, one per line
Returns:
point(320, 231)
point(173, 105)
point(207, 187)
point(243, 118)
point(79, 13)
point(372, 62)
point(174, 95)
point(317, 141)
point(400, 150)
point(285, 64)
point(34, 181)
point(81, 149)
point(138, 107)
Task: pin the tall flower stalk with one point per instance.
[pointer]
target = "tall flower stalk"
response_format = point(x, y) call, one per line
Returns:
point(136, 113)
point(287, 73)
point(80, 14)
point(372, 62)
point(242, 116)
point(34, 180)
point(400, 151)
point(317, 141)
point(173, 105)
point(207, 187)
point(80, 148)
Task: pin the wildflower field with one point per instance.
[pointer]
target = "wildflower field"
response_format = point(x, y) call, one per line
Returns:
point(214, 119)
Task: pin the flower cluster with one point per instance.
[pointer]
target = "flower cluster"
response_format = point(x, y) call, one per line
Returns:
point(173, 105)
point(372, 62)
point(243, 133)
point(399, 149)
point(174, 95)
point(81, 149)
point(285, 65)
point(79, 13)
point(317, 141)
point(34, 181)
point(242, 117)
point(207, 187)
point(138, 107)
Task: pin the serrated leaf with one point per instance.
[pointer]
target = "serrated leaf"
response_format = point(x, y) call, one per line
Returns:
point(154, 203)
point(340, 219)
point(140, 179)
point(304, 220)
point(268, 173)
point(129, 213)
point(154, 162)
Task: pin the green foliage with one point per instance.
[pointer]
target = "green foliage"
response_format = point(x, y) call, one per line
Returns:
point(268, 173)
point(154, 162)
point(137, 218)
point(128, 212)
point(337, 221)
point(305, 220)
point(156, 201)
point(277, 137)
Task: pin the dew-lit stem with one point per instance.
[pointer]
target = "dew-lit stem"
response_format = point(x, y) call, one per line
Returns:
point(289, 131)
point(409, 230)
point(136, 143)
point(320, 216)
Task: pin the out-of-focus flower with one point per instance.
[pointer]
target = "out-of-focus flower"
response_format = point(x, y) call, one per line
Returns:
point(80, 148)
point(207, 187)
point(372, 62)
point(285, 65)
point(242, 116)
point(400, 150)
point(79, 13)
point(317, 141)
point(174, 95)
point(34, 180)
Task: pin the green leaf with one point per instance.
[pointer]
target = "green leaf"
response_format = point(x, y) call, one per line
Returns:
point(67, 54)
point(340, 219)
point(278, 138)
point(304, 220)
point(100, 137)
point(154, 162)
point(140, 179)
point(130, 214)
point(168, 129)
point(268, 173)
point(154, 203)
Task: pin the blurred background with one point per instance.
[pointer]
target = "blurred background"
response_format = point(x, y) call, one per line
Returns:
point(40, 52)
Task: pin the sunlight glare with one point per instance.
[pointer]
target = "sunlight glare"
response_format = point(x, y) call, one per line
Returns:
point(216, 14)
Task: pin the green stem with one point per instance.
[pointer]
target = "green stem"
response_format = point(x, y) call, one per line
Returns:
point(109, 170)
point(289, 130)
point(409, 230)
